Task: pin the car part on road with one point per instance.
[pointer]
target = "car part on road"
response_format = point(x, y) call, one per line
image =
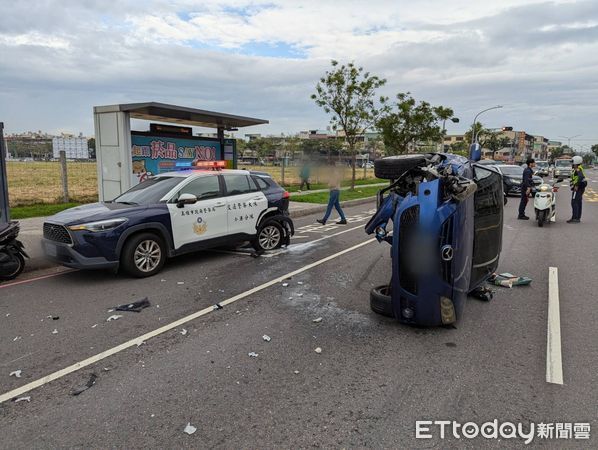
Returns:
point(114, 317)
point(318, 320)
point(253, 354)
point(482, 293)
point(266, 338)
point(16, 373)
point(23, 399)
point(143, 255)
point(380, 300)
point(135, 306)
point(395, 166)
point(90, 382)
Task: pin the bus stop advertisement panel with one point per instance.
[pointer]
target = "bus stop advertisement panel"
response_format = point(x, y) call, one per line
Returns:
point(153, 154)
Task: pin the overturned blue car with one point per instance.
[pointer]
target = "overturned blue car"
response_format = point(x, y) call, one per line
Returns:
point(442, 214)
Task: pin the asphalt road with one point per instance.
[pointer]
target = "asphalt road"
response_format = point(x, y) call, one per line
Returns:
point(369, 385)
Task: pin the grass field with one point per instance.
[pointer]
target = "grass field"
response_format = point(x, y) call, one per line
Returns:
point(35, 188)
point(322, 197)
point(31, 183)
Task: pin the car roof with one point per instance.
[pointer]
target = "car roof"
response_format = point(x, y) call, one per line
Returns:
point(190, 172)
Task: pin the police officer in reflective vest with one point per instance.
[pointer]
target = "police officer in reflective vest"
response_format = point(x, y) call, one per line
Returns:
point(527, 181)
point(578, 186)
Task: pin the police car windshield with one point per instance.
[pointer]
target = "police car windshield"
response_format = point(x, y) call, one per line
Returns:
point(512, 171)
point(149, 191)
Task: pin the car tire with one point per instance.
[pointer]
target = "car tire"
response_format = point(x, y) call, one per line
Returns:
point(19, 269)
point(393, 167)
point(380, 301)
point(150, 251)
point(269, 236)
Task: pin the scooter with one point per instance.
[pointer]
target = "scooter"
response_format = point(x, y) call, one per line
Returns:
point(12, 252)
point(545, 203)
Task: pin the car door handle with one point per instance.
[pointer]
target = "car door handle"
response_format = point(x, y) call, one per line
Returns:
point(257, 198)
point(219, 205)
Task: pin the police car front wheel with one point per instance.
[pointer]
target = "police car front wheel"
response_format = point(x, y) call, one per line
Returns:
point(144, 255)
point(269, 237)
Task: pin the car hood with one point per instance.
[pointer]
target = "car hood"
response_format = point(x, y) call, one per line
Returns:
point(92, 212)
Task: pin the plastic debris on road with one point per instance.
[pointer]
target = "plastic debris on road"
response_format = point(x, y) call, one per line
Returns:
point(299, 282)
point(253, 354)
point(114, 317)
point(93, 326)
point(16, 373)
point(318, 320)
point(23, 399)
point(266, 338)
point(190, 429)
point(509, 280)
point(16, 338)
point(318, 350)
point(285, 284)
point(180, 282)
point(184, 332)
point(135, 306)
point(92, 380)
point(55, 331)
point(53, 317)
point(295, 372)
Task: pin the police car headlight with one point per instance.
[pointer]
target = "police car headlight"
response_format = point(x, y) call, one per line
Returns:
point(102, 225)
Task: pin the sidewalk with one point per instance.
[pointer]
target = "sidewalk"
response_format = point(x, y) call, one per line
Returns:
point(344, 188)
point(32, 230)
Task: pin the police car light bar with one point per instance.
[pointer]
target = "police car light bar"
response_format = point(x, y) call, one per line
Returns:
point(214, 165)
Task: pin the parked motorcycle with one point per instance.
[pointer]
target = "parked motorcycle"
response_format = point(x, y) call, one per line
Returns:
point(12, 252)
point(545, 203)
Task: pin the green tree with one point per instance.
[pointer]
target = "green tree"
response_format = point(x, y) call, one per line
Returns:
point(459, 148)
point(348, 94)
point(495, 141)
point(482, 135)
point(595, 149)
point(588, 158)
point(409, 122)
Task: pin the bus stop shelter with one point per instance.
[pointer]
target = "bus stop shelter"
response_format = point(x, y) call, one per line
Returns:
point(126, 157)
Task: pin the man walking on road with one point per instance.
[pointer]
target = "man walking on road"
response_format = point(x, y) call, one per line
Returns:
point(526, 187)
point(334, 184)
point(578, 187)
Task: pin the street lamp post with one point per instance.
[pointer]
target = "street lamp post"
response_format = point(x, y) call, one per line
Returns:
point(474, 137)
point(452, 119)
point(569, 138)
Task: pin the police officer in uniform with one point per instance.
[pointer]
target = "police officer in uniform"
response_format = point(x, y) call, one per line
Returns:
point(526, 187)
point(578, 186)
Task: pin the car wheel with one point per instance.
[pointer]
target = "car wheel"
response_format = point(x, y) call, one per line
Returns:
point(393, 167)
point(269, 236)
point(143, 255)
point(380, 301)
point(18, 268)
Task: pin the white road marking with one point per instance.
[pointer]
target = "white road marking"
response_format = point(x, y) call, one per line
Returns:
point(554, 362)
point(177, 323)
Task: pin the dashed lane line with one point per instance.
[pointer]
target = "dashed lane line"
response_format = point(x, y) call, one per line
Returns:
point(554, 361)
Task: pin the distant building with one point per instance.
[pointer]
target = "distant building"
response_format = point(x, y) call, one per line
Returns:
point(74, 147)
point(314, 134)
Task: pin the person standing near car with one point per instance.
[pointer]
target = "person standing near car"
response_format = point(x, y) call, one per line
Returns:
point(578, 187)
point(304, 175)
point(334, 184)
point(527, 181)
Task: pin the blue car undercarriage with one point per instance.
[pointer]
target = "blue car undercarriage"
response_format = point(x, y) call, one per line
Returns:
point(442, 216)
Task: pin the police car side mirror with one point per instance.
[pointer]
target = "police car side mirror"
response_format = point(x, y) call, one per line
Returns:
point(186, 199)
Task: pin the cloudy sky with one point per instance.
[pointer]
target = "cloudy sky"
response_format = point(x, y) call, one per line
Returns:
point(262, 59)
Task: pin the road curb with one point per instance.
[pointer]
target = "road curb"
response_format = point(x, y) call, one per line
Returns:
point(321, 208)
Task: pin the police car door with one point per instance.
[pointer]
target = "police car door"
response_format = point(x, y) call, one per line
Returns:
point(244, 203)
point(202, 220)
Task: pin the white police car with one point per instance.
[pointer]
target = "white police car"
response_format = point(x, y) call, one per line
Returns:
point(168, 215)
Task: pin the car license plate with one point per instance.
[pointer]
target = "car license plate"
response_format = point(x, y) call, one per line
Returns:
point(51, 250)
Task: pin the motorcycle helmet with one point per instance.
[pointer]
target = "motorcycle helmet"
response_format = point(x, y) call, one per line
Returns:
point(577, 160)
